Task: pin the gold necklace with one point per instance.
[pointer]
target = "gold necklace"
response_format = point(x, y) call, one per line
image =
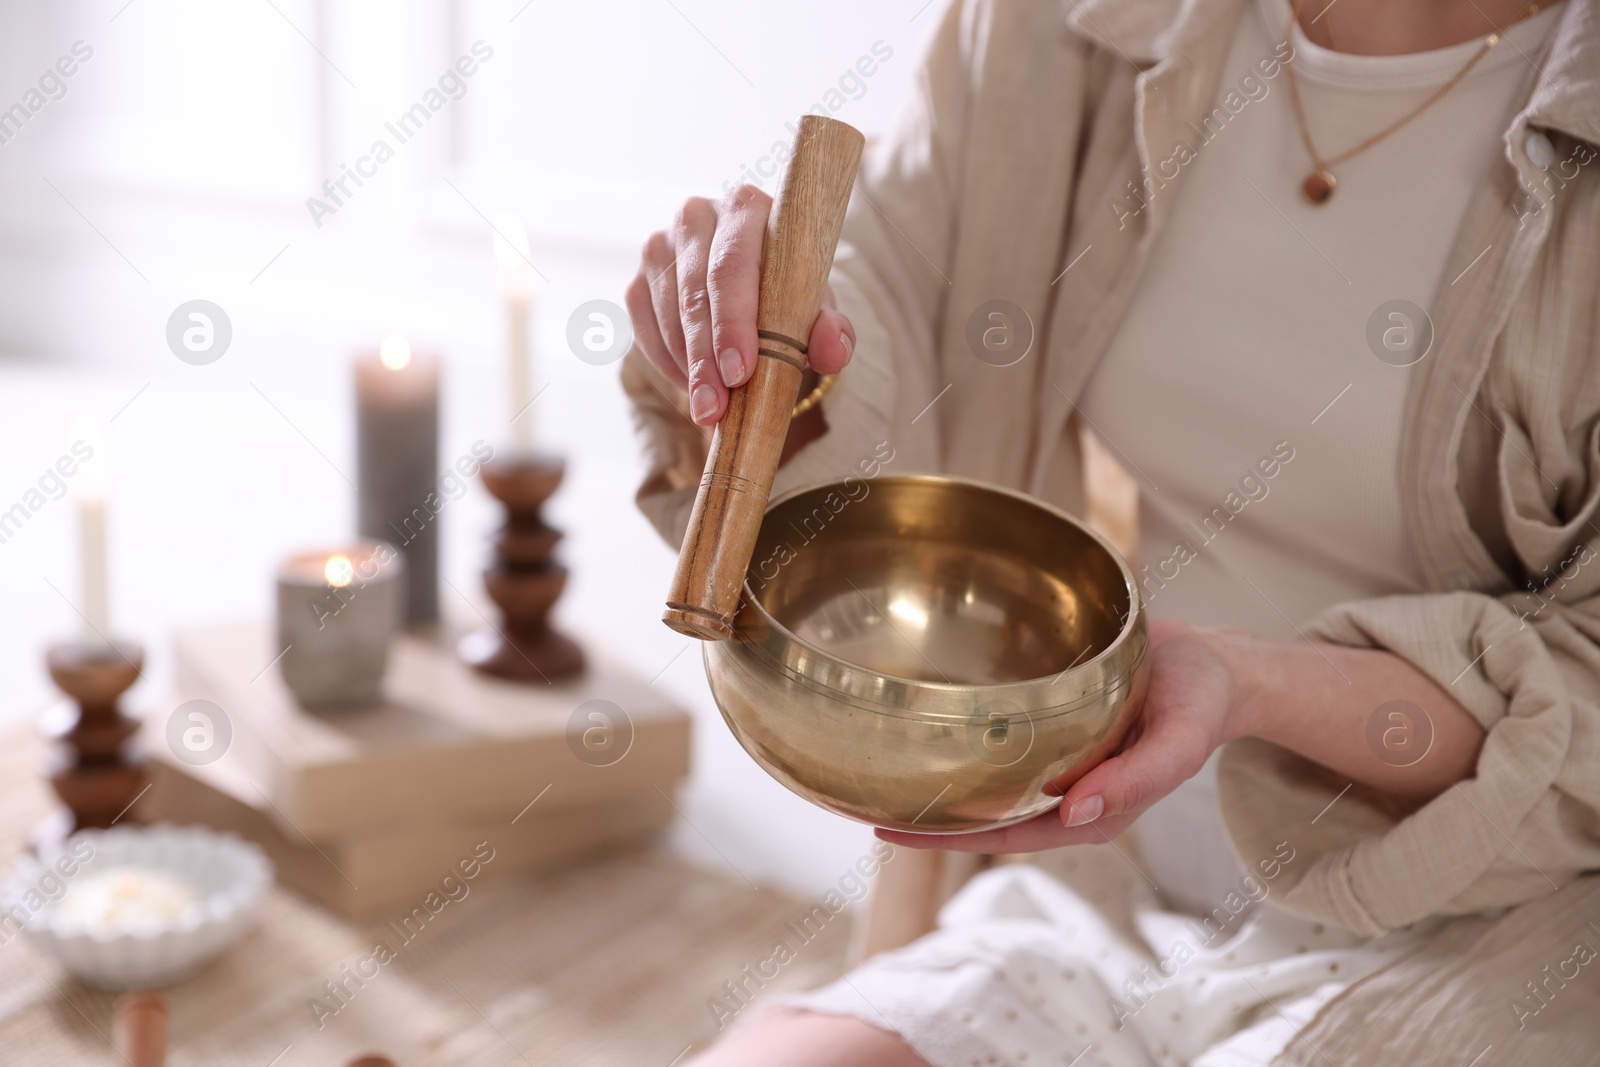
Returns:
point(1319, 184)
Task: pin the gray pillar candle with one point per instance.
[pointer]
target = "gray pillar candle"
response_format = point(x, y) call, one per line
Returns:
point(397, 449)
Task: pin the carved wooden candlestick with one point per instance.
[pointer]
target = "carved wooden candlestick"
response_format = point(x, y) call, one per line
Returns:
point(92, 768)
point(525, 580)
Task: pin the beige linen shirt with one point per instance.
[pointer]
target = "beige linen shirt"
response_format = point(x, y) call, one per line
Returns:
point(1010, 180)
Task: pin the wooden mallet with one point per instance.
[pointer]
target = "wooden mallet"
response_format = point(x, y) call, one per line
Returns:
point(802, 233)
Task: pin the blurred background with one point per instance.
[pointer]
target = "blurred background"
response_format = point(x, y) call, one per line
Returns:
point(176, 163)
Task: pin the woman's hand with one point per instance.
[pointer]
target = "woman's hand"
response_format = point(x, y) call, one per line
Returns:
point(1209, 685)
point(693, 302)
point(1184, 717)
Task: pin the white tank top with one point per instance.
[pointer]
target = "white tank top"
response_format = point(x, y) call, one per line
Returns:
point(1257, 387)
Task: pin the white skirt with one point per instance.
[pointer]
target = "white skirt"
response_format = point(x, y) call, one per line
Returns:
point(1087, 970)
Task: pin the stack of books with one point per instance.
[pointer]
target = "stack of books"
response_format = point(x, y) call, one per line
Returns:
point(366, 810)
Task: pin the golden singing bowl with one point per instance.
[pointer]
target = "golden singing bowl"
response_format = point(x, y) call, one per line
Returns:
point(928, 653)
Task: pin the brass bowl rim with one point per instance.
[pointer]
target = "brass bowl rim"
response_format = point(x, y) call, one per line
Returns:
point(1125, 635)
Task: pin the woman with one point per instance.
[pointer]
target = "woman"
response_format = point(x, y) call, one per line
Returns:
point(1211, 229)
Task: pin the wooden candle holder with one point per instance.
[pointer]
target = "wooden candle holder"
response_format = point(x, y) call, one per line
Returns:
point(93, 770)
point(525, 580)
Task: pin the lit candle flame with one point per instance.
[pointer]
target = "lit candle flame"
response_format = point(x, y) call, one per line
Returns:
point(91, 481)
point(395, 352)
point(339, 571)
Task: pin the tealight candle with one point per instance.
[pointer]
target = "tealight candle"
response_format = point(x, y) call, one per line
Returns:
point(127, 900)
point(397, 446)
point(338, 611)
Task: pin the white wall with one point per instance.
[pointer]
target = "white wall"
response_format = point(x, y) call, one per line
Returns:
point(196, 132)
point(177, 166)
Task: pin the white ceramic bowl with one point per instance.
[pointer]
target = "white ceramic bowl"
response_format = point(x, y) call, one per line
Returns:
point(228, 876)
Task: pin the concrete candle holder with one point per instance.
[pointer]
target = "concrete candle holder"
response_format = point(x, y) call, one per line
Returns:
point(338, 612)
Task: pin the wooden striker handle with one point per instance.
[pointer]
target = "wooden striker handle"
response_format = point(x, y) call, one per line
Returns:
point(802, 233)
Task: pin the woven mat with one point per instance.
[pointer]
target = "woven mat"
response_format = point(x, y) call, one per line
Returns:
point(612, 962)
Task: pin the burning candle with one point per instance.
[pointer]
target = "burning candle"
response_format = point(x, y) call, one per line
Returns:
point(338, 612)
point(397, 446)
point(90, 492)
point(516, 288)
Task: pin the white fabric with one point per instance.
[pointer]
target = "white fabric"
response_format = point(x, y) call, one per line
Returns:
point(1249, 323)
point(1025, 970)
point(1251, 319)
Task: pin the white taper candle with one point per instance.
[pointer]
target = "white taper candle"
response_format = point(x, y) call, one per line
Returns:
point(516, 288)
point(90, 495)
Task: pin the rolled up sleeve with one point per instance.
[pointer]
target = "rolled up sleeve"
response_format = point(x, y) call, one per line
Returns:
point(1528, 821)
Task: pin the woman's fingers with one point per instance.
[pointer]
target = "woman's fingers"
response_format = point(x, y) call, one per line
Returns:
point(692, 233)
point(735, 281)
point(1179, 726)
point(1036, 835)
point(660, 270)
point(1169, 752)
point(833, 340)
point(694, 302)
point(642, 311)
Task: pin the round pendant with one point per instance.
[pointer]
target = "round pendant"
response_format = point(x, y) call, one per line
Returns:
point(1319, 186)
